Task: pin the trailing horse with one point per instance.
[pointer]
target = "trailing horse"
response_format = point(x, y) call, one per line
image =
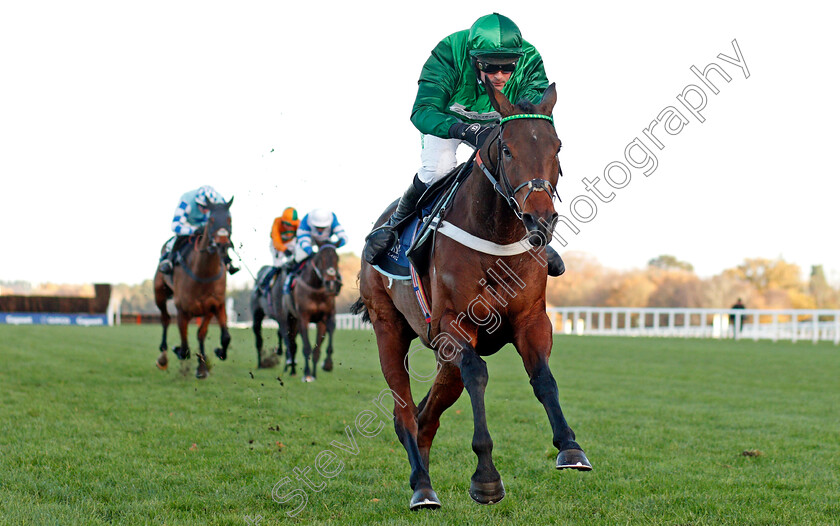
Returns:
point(312, 301)
point(268, 303)
point(198, 288)
point(485, 283)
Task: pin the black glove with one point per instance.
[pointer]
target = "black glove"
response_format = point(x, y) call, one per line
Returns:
point(474, 134)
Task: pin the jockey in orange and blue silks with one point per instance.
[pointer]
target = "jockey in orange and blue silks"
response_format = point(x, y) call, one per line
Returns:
point(282, 246)
point(318, 227)
point(191, 214)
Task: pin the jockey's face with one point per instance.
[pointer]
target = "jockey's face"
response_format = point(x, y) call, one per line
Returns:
point(498, 79)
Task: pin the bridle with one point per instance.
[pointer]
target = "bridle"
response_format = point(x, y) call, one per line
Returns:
point(503, 186)
point(330, 271)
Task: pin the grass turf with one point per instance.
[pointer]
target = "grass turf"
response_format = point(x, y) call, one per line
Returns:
point(92, 433)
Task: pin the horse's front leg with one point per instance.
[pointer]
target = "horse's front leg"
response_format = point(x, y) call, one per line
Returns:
point(288, 331)
point(321, 328)
point(328, 363)
point(202, 370)
point(534, 346)
point(183, 350)
point(485, 484)
point(163, 361)
point(221, 315)
point(303, 328)
point(393, 342)
point(256, 326)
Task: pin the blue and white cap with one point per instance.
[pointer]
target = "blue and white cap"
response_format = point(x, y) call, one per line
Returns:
point(208, 195)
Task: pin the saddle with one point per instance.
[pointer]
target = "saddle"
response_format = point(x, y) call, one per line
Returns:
point(417, 229)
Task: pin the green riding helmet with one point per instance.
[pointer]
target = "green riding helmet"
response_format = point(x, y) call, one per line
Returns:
point(495, 39)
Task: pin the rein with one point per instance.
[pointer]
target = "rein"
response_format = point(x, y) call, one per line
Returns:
point(213, 248)
point(503, 186)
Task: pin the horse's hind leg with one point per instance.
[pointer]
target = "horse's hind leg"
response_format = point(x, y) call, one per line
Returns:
point(534, 347)
point(201, 371)
point(445, 391)
point(393, 348)
point(328, 362)
point(221, 315)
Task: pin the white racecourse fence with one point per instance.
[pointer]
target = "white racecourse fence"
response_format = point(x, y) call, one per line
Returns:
point(755, 324)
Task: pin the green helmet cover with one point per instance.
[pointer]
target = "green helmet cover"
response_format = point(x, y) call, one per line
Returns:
point(495, 36)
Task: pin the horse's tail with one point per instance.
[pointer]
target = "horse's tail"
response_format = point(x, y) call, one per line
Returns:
point(360, 308)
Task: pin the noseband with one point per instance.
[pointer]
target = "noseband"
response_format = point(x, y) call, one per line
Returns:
point(503, 186)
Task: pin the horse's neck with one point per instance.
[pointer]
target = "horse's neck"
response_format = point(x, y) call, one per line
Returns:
point(482, 212)
point(201, 260)
point(309, 276)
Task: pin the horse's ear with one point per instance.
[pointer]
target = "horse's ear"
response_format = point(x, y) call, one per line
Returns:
point(230, 202)
point(549, 99)
point(498, 100)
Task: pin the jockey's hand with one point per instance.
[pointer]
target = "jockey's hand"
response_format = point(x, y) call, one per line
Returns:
point(288, 252)
point(474, 134)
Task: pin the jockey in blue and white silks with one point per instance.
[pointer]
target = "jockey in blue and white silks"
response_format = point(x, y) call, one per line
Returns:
point(320, 227)
point(190, 215)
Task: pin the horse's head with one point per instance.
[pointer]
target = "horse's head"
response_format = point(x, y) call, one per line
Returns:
point(525, 158)
point(325, 266)
point(218, 228)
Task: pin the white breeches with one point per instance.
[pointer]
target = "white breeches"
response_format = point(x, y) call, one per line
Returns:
point(438, 157)
point(278, 258)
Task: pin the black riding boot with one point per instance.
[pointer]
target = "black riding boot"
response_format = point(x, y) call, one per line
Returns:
point(380, 241)
point(556, 267)
point(228, 264)
point(167, 263)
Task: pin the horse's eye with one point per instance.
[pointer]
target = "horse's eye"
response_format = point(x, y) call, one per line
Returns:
point(506, 151)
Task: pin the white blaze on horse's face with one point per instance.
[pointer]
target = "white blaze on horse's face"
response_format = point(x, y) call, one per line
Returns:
point(331, 271)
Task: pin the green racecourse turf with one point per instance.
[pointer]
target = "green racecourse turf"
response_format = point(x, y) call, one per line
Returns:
point(92, 433)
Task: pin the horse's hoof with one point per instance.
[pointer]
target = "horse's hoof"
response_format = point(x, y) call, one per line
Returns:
point(162, 362)
point(182, 354)
point(307, 378)
point(221, 354)
point(424, 499)
point(487, 492)
point(201, 372)
point(573, 459)
point(328, 365)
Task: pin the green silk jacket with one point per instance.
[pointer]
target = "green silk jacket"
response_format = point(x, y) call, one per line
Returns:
point(449, 90)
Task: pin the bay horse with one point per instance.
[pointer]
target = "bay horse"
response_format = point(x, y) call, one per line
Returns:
point(312, 301)
point(268, 304)
point(483, 294)
point(198, 287)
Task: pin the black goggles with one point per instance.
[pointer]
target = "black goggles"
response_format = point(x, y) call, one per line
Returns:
point(494, 68)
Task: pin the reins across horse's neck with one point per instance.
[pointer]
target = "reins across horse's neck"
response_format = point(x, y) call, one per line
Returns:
point(505, 189)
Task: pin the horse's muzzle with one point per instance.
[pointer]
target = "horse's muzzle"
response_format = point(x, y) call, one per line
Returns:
point(539, 229)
